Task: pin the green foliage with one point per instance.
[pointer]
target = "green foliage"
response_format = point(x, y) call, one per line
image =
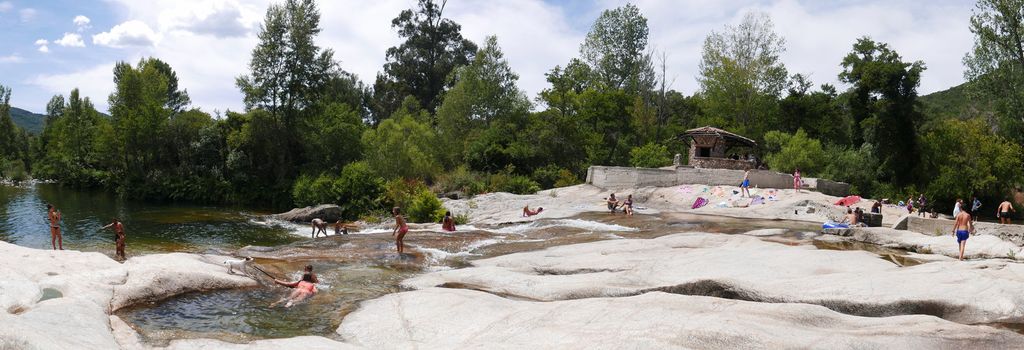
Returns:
point(463, 180)
point(742, 76)
point(357, 190)
point(819, 113)
point(884, 106)
point(995, 66)
point(651, 155)
point(420, 66)
point(461, 219)
point(518, 184)
point(855, 166)
point(402, 147)
point(425, 207)
point(964, 158)
point(616, 50)
point(332, 138)
point(401, 192)
point(787, 152)
point(15, 170)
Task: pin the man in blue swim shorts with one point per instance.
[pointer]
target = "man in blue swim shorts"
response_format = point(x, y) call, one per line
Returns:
point(962, 229)
point(745, 185)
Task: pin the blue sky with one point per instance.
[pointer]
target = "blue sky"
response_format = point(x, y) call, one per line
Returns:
point(208, 41)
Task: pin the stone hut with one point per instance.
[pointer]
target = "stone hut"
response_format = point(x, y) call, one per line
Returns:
point(710, 148)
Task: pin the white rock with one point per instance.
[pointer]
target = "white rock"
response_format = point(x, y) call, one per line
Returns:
point(437, 318)
point(978, 246)
point(747, 268)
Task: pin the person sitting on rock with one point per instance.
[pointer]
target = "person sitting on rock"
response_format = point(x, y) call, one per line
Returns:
point(528, 213)
point(627, 205)
point(612, 203)
point(448, 223)
point(319, 225)
point(850, 218)
point(301, 289)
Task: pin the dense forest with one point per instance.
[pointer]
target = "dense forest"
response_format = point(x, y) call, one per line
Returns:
point(445, 115)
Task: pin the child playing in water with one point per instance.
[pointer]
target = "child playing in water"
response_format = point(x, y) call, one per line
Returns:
point(302, 289)
point(400, 228)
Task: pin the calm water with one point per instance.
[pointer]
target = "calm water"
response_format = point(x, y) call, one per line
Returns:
point(149, 227)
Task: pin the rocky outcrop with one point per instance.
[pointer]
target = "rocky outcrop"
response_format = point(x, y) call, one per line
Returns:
point(978, 246)
point(437, 318)
point(747, 268)
point(327, 212)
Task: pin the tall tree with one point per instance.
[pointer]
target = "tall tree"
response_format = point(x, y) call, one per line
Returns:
point(616, 49)
point(884, 105)
point(288, 71)
point(741, 75)
point(996, 63)
point(485, 93)
point(8, 131)
point(420, 66)
point(138, 107)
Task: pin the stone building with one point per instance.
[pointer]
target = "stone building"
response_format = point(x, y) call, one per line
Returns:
point(712, 148)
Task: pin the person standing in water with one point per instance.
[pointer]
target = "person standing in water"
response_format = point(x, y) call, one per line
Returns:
point(448, 223)
point(962, 229)
point(745, 185)
point(401, 228)
point(797, 180)
point(319, 225)
point(1004, 210)
point(119, 238)
point(55, 237)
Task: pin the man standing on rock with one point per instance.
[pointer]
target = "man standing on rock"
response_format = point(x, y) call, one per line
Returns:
point(745, 185)
point(118, 237)
point(1005, 208)
point(962, 229)
point(55, 237)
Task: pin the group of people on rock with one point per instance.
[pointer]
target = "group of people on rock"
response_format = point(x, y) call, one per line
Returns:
point(55, 219)
point(614, 204)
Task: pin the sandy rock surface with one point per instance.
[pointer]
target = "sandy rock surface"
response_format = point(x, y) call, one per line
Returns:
point(437, 318)
point(747, 268)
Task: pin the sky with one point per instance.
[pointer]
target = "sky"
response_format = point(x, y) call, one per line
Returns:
point(51, 47)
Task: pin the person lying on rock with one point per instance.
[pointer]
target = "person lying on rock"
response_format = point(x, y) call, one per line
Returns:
point(319, 225)
point(301, 289)
point(528, 213)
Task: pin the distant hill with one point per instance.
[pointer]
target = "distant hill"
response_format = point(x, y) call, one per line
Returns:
point(956, 102)
point(31, 122)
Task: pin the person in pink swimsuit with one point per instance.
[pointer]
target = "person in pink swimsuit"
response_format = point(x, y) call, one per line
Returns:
point(301, 289)
point(401, 228)
point(797, 181)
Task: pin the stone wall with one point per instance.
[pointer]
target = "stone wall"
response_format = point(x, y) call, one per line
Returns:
point(721, 163)
point(939, 227)
point(624, 177)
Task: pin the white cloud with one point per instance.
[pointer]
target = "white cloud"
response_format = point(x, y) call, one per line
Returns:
point(27, 14)
point(12, 58)
point(42, 43)
point(6, 6)
point(130, 33)
point(96, 83)
point(70, 40)
point(81, 22)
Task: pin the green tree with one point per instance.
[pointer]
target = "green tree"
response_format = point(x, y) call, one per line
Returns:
point(332, 138)
point(742, 76)
point(996, 64)
point(651, 155)
point(818, 113)
point(420, 66)
point(402, 146)
point(884, 105)
point(616, 48)
point(485, 96)
point(964, 158)
point(9, 149)
point(786, 152)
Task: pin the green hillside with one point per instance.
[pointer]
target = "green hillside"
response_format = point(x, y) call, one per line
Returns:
point(31, 122)
point(956, 102)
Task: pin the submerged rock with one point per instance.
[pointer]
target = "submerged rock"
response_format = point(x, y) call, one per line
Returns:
point(438, 318)
point(327, 212)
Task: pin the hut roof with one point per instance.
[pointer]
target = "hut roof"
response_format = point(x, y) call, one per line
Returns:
point(728, 136)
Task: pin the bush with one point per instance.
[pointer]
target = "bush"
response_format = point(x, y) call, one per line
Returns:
point(651, 155)
point(506, 182)
point(566, 178)
point(357, 190)
point(461, 219)
point(425, 207)
point(787, 152)
point(309, 190)
point(15, 170)
point(463, 180)
point(400, 192)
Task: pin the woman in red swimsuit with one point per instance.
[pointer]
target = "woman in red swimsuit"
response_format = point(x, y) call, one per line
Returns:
point(400, 228)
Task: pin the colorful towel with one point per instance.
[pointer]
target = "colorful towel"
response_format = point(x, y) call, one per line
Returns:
point(700, 202)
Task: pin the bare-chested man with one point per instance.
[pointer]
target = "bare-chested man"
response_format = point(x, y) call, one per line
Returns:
point(55, 238)
point(962, 229)
point(119, 237)
point(1003, 213)
point(319, 225)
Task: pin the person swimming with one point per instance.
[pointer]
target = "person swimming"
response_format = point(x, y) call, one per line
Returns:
point(301, 289)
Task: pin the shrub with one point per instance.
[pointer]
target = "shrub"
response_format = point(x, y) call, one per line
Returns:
point(787, 152)
point(566, 178)
point(506, 182)
point(425, 207)
point(15, 170)
point(400, 192)
point(309, 190)
point(651, 155)
point(461, 179)
point(357, 190)
point(461, 219)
